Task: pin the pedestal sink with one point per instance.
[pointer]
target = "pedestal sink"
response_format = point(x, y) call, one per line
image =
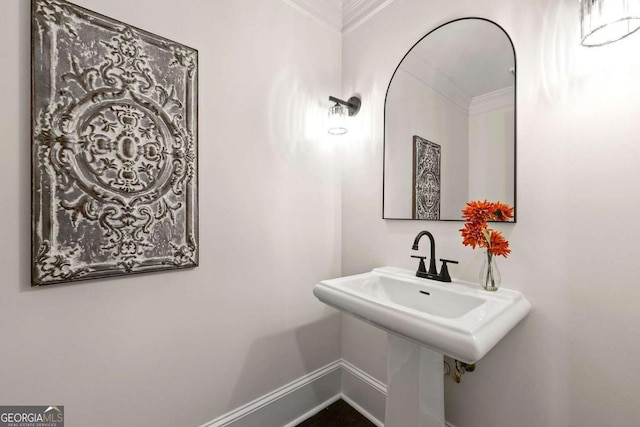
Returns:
point(426, 320)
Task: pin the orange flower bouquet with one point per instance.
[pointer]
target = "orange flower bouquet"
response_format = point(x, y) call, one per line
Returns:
point(476, 233)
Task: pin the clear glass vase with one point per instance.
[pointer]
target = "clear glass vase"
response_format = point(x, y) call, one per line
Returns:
point(489, 273)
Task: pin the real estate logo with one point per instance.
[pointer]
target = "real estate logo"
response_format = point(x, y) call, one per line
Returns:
point(32, 416)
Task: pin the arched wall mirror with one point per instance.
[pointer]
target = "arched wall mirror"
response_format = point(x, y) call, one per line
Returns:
point(450, 123)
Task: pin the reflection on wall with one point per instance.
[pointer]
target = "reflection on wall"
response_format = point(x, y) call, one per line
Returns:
point(455, 87)
point(477, 146)
point(491, 147)
point(413, 108)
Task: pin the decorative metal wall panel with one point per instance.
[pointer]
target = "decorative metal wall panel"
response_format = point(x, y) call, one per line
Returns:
point(426, 179)
point(114, 148)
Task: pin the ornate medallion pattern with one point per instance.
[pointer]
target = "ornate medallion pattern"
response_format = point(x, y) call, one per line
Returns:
point(426, 183)
point(114, 152)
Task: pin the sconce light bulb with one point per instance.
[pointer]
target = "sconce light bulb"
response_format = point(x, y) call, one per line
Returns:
point(337, 120)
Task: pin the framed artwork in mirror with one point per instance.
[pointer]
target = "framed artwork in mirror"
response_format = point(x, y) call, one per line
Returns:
point(426, 179)
point(114, 147)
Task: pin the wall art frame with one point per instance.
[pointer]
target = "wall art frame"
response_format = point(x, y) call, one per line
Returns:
point(114, 147)
point(426, 187)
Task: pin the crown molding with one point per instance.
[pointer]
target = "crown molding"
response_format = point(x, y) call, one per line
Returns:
point(420, 69)
point(357, 12)
point(500, 98)
point(341, 15)
point(328, 12)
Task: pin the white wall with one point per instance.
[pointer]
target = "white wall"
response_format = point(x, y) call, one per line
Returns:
point(575, 252)
point(491, 154)
point(180, 348)
point(413, 108)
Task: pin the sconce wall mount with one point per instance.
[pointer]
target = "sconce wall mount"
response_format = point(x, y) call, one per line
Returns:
point(339, 113)
point(353, 104)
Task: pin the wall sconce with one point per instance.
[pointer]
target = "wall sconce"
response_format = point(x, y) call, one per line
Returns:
point(339, 113)
point(606, 21)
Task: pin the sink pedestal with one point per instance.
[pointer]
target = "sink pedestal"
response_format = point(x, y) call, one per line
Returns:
point(415, 389)
point(458, 319)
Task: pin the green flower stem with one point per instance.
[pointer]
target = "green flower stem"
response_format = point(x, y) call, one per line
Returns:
point(487, 236)
point(490, 270)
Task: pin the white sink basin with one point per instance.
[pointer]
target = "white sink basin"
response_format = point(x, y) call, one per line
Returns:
point(457, 319)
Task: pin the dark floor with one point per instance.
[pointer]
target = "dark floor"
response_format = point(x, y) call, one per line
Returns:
point(339, 414)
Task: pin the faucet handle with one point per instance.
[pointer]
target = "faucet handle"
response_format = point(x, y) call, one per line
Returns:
point(444, 271)
point(421, 268)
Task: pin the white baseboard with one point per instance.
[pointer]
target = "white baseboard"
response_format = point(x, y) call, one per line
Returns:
point(314, 411)
point(378, 385)
point(362, 411)
point(367, 395)
point(293, 403)
point(364, 393)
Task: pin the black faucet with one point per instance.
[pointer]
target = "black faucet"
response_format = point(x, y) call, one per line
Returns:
point(433, 271)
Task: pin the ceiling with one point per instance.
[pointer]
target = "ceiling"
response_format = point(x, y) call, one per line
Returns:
point(475, 55)
point(484, 48)
point(342, 15)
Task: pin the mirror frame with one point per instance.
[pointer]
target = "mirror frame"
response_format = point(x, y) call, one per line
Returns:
point(515, 124)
